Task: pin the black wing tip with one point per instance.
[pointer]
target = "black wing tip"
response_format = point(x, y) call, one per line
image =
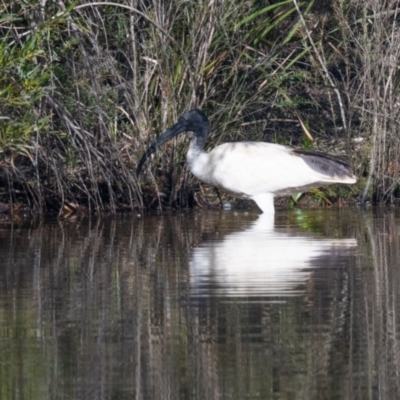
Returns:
point(327, 156)
point(339, 170)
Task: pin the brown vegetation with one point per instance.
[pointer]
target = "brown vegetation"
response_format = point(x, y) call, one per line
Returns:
point(84, 89)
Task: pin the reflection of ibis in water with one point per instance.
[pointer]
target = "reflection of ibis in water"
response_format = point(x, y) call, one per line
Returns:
point(260, 261)
point(253, 170)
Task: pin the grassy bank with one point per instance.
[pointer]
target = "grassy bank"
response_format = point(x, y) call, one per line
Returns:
point(85, 88)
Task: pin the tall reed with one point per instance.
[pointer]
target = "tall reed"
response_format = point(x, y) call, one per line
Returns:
point(85, 88)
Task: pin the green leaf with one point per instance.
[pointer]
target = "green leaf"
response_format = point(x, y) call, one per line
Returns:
point(260, 12)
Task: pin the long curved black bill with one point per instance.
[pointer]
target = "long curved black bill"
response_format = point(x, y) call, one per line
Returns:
point(175, 130)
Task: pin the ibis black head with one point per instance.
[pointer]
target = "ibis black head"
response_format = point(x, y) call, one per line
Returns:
point(196, 122)
point(191, 121)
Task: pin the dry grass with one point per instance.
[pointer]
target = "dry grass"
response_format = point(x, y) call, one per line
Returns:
point(119, 74)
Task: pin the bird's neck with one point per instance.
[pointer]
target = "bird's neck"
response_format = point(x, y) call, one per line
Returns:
point(197, 158)
point(196, 147)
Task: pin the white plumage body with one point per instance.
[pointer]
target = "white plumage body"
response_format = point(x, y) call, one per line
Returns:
point(258, 171)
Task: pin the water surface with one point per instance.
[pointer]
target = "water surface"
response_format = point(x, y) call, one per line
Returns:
point(202, 305)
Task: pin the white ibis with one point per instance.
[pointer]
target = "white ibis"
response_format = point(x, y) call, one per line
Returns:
point(253, 170)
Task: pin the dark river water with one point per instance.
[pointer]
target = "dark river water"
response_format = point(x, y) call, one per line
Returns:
point(202, 305)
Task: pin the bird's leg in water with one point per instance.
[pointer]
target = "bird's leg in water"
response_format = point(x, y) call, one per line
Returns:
point(266, 202)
